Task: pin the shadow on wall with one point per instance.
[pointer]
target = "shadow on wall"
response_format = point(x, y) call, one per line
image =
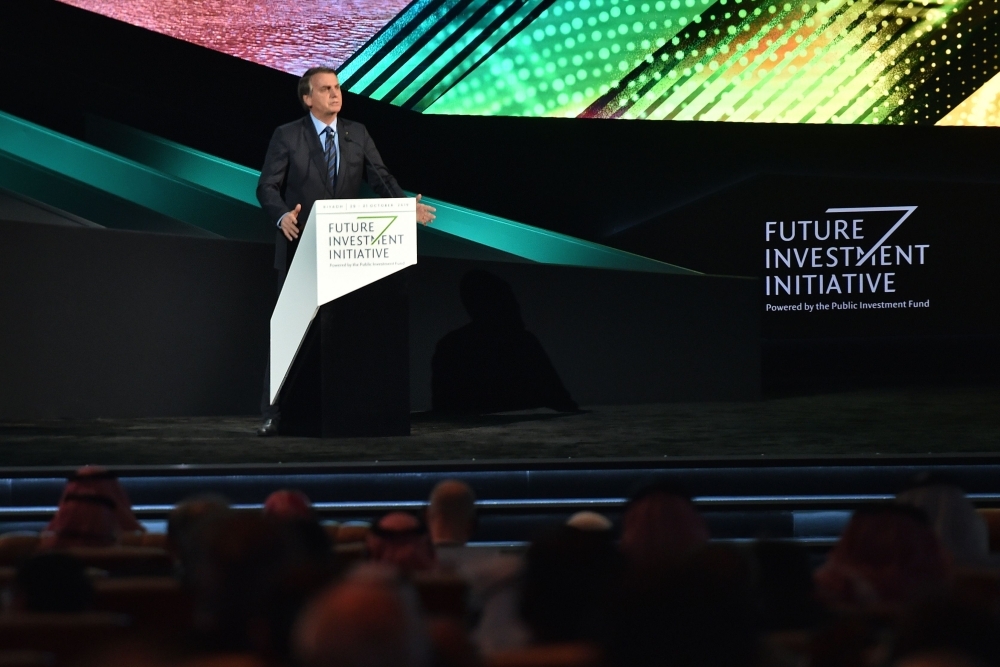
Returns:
point(493, 363)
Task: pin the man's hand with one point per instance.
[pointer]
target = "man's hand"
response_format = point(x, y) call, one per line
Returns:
point(290, 223)
point(425, 213)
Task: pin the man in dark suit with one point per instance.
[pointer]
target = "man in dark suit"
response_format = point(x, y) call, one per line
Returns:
point(321, 156)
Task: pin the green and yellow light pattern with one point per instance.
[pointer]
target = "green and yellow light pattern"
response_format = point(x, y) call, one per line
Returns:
point(982, 108)
point(575, 52)
point(841, 61)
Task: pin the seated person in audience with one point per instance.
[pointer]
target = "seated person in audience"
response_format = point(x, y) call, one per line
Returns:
point(94, 480)
point(51, 583)
point(569, 578)
point(954, 627)
point(506, 611)
point(493, 577)
point(696, 611)
point(184, 518)
point(289, 504)
point(183, 532)
point(368, 620)
point(887, 554)
point(451, 522)
point(785, 588)
point(402, 540)
point(82, 520)
point(249, 575)
point(295, 509)
point(660, 526)
point(954, 519)
point(591, 521)
point(451, 514)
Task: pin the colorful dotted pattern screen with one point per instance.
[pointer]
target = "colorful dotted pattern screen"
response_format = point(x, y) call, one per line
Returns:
point(842, 61)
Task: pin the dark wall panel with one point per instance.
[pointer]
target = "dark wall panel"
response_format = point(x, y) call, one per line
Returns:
point(100, 323)
point(615, 337)
point(18, 207)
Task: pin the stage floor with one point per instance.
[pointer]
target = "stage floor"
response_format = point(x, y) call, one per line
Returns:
point(863, 423)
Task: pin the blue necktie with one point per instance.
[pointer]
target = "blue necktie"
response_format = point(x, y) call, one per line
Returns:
point(330, 149)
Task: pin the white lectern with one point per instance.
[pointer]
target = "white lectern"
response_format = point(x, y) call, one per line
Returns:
point(339, 332)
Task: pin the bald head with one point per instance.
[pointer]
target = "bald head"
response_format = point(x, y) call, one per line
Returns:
point(451, 515)
point(360, 623)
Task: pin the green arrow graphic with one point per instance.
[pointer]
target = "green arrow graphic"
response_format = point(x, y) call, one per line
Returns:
point(390, 218)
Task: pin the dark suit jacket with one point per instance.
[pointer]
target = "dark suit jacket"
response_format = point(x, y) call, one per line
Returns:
point(295, 172)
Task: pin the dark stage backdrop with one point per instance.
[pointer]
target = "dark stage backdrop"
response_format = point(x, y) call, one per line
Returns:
point(615, 337)
point(698, 194)
point(103, 323)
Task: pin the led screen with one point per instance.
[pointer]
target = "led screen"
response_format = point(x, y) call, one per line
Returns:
point(842, 61)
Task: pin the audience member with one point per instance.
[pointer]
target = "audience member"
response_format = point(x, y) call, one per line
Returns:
point(693, 612)
point(366, 621)
point(589, 521)
point(666, 596)
point(569, 578)
point(785, 588)
point(953, 518)
point(94, 480)
point(451, 513)
point(289, 504)
point(887, 554)
point(660, 526)
point(82, 520)
point(950, 623)
point(402, 540)
point(296, 511)
point(51, 582)
point(183, 520)
point(240, 562)
point(848, 640)
point(500, 627)
point(493, 577)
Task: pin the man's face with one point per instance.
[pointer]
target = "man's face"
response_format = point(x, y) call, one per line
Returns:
point(324, 101)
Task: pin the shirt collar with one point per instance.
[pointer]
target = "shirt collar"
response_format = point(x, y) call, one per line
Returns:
point(320, 127)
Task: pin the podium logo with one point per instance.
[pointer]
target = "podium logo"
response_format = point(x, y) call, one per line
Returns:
point(365, 237)
point(845, 253)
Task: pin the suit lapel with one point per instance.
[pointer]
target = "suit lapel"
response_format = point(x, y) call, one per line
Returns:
point(316, 151)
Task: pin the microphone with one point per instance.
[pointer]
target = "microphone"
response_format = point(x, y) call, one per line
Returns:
point(369, 165)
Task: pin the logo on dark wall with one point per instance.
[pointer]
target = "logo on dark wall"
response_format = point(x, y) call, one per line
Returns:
point(852, 259)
